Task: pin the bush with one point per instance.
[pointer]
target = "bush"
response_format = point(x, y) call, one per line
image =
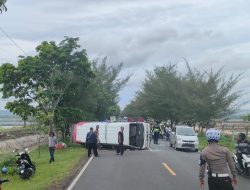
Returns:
point(10, 164)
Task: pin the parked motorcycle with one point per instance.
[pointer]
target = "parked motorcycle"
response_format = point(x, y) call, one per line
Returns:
point(25, 167)
point(243, 153)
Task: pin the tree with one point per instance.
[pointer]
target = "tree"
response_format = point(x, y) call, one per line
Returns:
point(194, 98)
point(106, 87)
point(3, 6)
point(246, 117)
point(211, 94)
point(40, 82)
point(160, 94)
point(21, 108)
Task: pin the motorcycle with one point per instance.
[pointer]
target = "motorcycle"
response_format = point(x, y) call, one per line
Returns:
point(242, 152)
point(25, 167)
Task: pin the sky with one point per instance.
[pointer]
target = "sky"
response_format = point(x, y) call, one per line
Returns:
point(140, 33)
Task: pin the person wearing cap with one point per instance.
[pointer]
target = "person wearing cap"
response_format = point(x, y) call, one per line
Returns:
point(217, 159)
point(156, 131)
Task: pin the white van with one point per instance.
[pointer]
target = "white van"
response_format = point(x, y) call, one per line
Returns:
point(136, 134)
point(184, 137)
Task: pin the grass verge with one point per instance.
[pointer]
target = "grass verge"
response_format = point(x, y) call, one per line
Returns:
point(226, 140)
point(48, 174)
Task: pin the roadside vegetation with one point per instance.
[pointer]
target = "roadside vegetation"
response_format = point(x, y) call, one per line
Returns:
point(60, 86)
point(195, 97)
point(226, 140)
point(46, 174)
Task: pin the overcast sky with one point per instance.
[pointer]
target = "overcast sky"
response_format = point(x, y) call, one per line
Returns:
point(139, 33)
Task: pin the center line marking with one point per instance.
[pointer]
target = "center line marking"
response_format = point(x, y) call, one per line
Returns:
point(169, 169)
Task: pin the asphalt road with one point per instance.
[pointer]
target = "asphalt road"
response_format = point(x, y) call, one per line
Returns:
point(156, 169)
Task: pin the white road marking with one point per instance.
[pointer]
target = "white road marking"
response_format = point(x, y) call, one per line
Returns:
point(151, 150)
point(81, 172)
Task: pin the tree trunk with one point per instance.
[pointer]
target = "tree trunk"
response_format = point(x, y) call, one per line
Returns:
point(247, 129)
point(51, 125)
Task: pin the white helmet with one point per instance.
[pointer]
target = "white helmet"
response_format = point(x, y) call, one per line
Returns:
point(213, 135)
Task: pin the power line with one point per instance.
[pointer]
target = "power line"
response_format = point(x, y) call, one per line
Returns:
point(5, 33)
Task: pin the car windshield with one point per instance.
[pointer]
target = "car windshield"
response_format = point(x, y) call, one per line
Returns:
point(187, 131)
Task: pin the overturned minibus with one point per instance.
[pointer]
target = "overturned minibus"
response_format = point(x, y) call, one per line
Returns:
point(136, 134)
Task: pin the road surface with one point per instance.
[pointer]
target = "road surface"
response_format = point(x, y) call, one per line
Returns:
point(159, 168)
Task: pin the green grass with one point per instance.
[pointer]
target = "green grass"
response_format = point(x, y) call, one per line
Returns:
point(46, 173)
point(226, 141)
point(20, 128)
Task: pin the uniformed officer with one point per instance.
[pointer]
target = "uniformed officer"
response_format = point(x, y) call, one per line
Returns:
point(217, 159)
point(156, 131)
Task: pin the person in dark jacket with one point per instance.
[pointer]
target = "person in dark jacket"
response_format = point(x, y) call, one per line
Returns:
point(241, 138)
point(120, 148)
point(91, 141)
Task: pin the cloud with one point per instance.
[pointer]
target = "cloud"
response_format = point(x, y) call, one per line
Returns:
point(140, 33)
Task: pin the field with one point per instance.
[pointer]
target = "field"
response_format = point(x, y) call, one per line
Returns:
point(47, 174)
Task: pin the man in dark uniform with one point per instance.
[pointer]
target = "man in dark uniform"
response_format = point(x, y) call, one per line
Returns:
point(217, 158)
point(91, 141)
point(156, 132)
point(120, 148)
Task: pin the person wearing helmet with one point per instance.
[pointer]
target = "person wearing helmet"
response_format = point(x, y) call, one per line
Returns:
point(156, 132)
point(217, 159)
point(241, 138)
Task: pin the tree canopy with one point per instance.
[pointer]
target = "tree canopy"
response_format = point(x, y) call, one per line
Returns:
point(193, 98)
point(59, 85)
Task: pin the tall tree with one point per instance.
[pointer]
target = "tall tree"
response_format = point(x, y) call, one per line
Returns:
point(40, 82)
point(193, 98)
point(106, 87)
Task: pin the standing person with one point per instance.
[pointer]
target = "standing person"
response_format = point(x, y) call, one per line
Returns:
point(97, 136)
point(156, 131)
point(168, 132)
point(217, 158)
point(120, 148)
point(91, 141)
point(52, 146)
point(241, 138)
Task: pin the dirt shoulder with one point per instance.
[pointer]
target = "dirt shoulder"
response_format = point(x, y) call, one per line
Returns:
point(14, 134)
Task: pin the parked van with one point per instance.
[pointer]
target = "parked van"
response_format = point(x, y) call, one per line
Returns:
point(184, 137)
point(136, 134)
